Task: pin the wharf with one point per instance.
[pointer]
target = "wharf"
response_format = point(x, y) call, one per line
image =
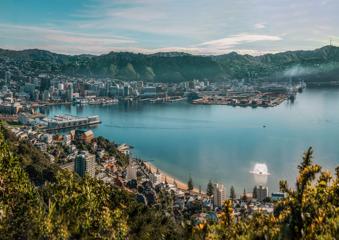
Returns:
point(257, 100)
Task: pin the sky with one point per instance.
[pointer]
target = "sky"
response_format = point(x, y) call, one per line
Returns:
point(208, 27)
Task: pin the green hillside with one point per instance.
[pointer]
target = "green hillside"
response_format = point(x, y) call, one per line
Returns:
point(177, 67)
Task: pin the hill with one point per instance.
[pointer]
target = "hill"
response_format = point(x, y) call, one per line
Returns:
point(178, 67)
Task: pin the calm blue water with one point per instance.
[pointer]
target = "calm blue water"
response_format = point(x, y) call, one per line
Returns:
point(222, 143)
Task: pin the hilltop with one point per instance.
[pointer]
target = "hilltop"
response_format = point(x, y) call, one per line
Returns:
point(322, 63)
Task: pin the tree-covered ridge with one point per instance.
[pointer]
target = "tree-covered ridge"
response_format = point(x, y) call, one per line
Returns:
point(178, 67)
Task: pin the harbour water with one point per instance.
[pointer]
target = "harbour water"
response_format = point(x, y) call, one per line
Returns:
point(223, 143)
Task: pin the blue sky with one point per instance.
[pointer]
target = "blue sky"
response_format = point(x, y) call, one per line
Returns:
point(194, 26)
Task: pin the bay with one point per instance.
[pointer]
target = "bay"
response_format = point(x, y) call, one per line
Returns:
point(223, 143)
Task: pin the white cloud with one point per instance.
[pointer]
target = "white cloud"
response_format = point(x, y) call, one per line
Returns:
point(229, 42)
point(259, 26)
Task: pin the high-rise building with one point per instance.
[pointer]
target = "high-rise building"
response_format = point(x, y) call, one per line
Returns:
point(45, 84)
point(219, 194)
point(260, 193)
point(69, 93)
point(131, 171)
point(85, 164)
point(36, 95)
point(29, 88)
point(126, 91)
point(45, 96)
point(61, 86)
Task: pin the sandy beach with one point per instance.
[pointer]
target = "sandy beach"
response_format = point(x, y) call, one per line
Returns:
point(170, 179)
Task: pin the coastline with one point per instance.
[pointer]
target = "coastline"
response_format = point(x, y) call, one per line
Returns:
point(169, 178)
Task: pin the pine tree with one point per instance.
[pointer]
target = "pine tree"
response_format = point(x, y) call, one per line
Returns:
point(210, 188)
point(190, 184)
point(297, 217)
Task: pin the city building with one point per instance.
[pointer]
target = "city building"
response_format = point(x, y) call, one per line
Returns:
point(85, 164)
point(10, 108)
point(124, 148)
point(47, 138)
point(276, 196)
point(149, 92)
point(29, 118)
point(87, 136)
point(69, 166)
point(69, 94)
point(156, 178)
point(219, 194)
point(261, 193)
point(45, 96)
point(131, 172)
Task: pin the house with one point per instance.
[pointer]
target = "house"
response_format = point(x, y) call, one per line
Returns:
point(87, 136)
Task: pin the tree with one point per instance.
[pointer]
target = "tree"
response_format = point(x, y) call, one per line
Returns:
point(21, 209)
point(210, 189)
point(232, 193)
point(296, 206)
point(190, 184)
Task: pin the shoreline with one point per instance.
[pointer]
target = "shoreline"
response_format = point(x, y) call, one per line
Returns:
point(169, 178)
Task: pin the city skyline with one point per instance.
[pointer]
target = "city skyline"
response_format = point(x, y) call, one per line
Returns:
point(147, 26)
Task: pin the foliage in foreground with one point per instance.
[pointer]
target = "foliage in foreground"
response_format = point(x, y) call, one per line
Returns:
point(70, 207)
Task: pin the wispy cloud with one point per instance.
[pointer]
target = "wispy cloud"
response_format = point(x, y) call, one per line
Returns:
point(230, 42)
point(77, 43)
point(60, 41)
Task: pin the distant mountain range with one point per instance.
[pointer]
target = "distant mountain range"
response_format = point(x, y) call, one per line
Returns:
point(320, 64)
